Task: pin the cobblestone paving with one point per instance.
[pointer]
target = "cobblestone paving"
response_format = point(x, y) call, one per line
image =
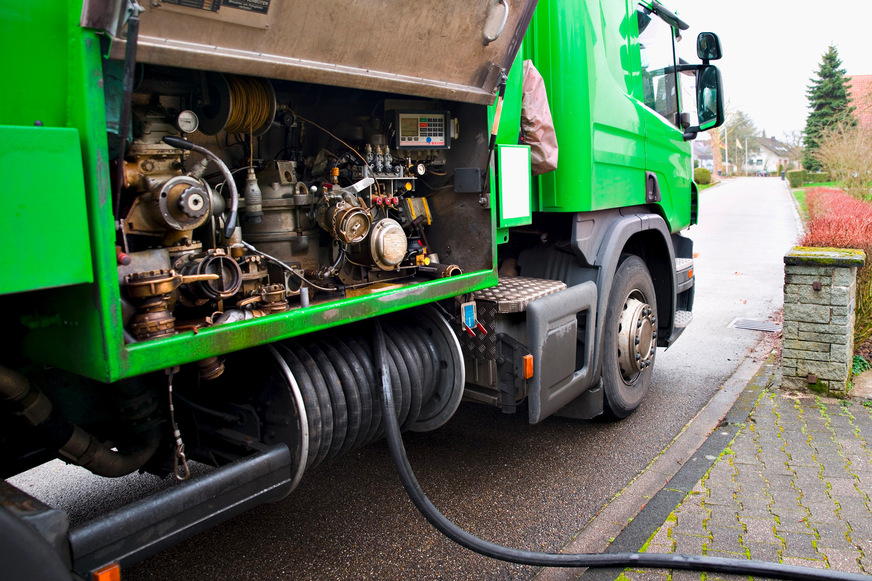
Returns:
point(794, 486)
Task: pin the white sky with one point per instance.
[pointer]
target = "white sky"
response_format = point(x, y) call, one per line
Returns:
point(772, 49)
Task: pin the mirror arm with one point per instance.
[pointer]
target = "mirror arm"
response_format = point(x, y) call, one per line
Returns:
point(685, 68)
point(668, 17)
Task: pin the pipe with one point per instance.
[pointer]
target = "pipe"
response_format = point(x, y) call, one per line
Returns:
point(76, 445)
point(85, 450)
point(495, 551)
point(438, 270)
point(15, 388)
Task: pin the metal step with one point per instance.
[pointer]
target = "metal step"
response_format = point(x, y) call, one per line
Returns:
point(683, 318)
point(514, 293)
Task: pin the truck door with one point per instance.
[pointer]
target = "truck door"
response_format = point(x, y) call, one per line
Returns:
point(660, 91)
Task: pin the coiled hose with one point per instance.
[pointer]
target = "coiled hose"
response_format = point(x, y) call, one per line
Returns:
point(336, 379)
point(488, 549)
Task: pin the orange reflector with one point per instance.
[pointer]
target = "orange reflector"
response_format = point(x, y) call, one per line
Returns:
point(528, 366)
point(108, 573)
point(690, 273)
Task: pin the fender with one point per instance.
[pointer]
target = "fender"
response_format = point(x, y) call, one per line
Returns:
point(626, 225)
point(592, 255)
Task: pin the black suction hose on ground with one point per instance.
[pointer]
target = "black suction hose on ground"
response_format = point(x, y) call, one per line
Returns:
point(488, 549)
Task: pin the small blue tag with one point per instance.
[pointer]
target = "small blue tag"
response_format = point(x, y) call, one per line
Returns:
point(468, 312)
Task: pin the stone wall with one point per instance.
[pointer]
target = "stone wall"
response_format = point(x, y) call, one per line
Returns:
point(820, 288)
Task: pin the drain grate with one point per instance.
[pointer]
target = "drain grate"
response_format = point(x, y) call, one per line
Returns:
point(756, 325)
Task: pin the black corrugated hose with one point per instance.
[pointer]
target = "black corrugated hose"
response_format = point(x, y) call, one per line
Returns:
point(635, 560)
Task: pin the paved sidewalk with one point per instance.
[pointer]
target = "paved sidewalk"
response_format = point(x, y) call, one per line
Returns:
point(793, 486)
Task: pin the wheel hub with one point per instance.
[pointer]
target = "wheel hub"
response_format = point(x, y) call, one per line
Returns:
point(637, 334)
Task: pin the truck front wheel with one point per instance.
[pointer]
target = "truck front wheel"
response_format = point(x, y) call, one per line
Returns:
point(630, 338)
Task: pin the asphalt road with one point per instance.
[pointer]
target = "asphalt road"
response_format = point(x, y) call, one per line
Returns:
point(531, 487)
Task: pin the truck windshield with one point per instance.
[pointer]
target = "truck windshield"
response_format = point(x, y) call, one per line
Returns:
point(659, 79)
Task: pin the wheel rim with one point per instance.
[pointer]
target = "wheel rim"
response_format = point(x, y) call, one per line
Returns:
point(636, 337)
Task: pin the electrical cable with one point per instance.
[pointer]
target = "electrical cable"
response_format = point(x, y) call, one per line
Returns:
point(288, 268)
point(620, 560)
point(351, 149)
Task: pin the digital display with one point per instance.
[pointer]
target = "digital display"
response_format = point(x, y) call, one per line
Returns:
point(408, 127)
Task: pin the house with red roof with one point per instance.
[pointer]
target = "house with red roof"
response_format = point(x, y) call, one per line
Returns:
point(860, 94)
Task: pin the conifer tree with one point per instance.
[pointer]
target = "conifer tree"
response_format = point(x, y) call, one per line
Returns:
point(829, 104)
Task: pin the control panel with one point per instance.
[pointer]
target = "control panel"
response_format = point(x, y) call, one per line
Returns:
point(423, 130)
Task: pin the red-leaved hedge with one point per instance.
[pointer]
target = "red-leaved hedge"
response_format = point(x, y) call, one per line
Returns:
point(838, 220)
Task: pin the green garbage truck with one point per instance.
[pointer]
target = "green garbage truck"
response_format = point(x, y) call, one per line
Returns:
point(234, 190)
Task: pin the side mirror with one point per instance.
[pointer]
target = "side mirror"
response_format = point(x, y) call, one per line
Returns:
point(708, 47)
point(709, 101)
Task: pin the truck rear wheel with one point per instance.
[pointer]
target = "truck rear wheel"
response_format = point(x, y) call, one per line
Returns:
point(630, 338)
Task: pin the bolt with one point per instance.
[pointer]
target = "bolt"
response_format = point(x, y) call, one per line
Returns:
point(638, 341)
point(638, 357)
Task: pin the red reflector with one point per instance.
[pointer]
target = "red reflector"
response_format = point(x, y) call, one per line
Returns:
point(108, 573)
point(528, 366)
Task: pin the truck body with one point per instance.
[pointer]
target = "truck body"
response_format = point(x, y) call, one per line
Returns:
point(237, 187)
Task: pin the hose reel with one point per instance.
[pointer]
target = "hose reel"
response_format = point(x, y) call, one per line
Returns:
point(236, 104)
point(329, 381)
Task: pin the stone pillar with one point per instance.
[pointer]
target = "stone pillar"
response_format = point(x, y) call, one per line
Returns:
point(820, 292)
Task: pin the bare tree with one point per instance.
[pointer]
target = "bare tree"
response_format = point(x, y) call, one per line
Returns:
point(793, 139)
point(717, 158)
point(845, 150)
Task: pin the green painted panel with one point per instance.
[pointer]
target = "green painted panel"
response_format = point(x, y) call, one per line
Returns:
point(185, 347)
point(33, 41)
point(44, 219)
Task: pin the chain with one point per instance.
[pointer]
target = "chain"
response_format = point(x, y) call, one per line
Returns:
point(180, 462)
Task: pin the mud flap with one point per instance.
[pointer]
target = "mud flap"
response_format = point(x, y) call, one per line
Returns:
point(560, 331)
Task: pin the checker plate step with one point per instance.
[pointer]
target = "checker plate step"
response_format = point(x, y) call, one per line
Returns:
point(513, 294)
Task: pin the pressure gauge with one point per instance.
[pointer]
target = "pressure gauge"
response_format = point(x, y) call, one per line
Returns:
point(187, 121)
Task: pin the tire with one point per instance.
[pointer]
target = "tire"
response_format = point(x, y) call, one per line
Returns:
point(26, 555)
point(629, 338)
